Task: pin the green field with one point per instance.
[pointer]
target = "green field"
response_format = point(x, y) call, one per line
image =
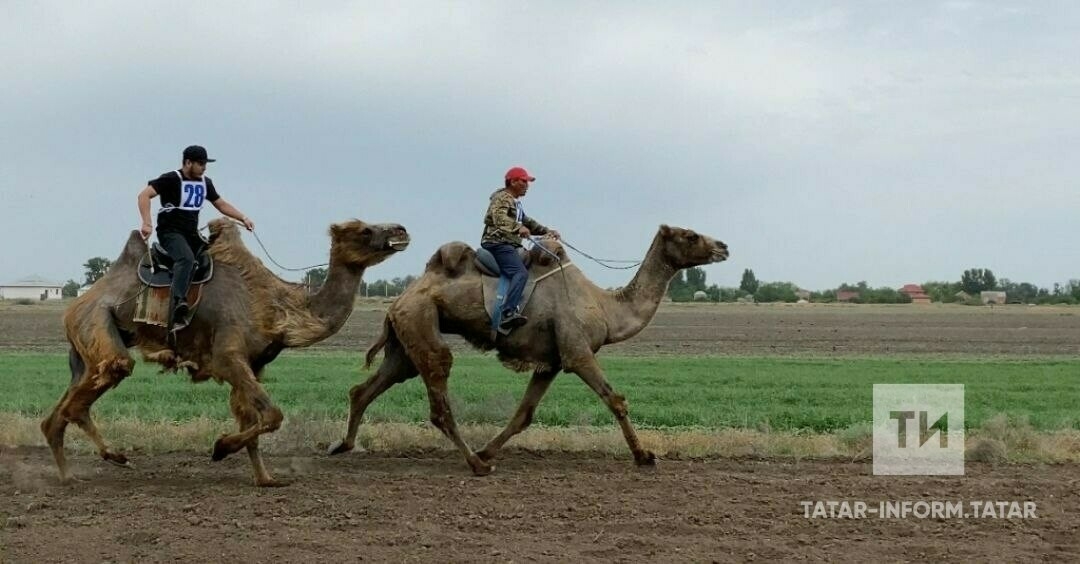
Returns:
point(766, 394)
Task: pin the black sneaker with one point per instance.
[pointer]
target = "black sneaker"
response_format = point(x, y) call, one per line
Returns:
point(513, 320)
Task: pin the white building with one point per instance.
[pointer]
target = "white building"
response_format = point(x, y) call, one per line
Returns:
point(33, 288)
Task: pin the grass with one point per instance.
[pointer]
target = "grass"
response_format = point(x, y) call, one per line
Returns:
point(697, 393)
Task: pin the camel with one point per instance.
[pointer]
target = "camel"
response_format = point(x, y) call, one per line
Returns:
point(245, 318)
point(569, 320)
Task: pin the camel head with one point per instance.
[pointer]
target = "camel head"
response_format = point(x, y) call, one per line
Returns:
point(684, 248)
point(356, 243)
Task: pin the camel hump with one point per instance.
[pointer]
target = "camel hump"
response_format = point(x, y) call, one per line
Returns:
point(225, 230)
point(452, 259)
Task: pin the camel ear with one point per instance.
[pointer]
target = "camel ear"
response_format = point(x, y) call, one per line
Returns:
point(336, 230)
point(665, 230)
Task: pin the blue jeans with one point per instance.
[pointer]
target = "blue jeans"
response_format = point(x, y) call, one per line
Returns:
point(512, 267)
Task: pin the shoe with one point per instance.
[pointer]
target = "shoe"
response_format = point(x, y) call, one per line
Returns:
point(513, 320)
point(181, 311)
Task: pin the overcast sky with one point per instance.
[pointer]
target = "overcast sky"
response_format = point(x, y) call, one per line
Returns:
point(824, 142)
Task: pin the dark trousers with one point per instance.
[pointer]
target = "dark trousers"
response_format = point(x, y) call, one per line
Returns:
point(182, 248)
point(512, 267)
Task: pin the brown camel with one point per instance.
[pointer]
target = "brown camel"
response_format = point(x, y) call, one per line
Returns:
point(246, 316)
point(569, 319)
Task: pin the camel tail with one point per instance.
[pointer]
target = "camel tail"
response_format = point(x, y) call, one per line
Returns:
point(387, 332)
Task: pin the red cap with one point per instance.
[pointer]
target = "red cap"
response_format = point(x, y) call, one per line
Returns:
point(518, 173)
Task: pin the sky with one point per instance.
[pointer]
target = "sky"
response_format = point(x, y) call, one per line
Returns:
point(824, 142)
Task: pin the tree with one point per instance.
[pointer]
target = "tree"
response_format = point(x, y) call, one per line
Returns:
point(749, 282)
point(315, 278)
point(96, 268)
point(70, 290)
point(695, 279)
point(975, 280)
point(678, 290)
point(776, 292)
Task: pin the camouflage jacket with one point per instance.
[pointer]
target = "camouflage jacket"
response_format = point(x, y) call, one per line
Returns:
point(501, 222)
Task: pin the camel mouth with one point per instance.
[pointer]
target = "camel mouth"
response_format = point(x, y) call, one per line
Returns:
point(398, 243)
point(719, 255)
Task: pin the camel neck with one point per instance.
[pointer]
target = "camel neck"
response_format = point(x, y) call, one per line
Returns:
point(333, 303)
point(635, 304)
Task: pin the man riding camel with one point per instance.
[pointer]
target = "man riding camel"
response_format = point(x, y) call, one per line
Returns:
point(505, 225)
point(183, 193)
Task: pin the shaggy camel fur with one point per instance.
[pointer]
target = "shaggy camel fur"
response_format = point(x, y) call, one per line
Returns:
point(570, 318)
point(246, 316)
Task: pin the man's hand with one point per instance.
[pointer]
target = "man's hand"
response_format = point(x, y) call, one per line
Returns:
point(250, 225)
point(146, 230)
point(524, 231)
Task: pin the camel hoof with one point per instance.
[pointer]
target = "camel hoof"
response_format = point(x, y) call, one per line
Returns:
point(339, 447)
point(646, 460)
point(485, 456)
point(271, 483)
point(70, 480)
point(117, 460)
point(480, 468)
point(220, 451)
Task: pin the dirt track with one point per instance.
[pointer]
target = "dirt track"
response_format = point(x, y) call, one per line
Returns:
point(557, 507)
point(534, 508)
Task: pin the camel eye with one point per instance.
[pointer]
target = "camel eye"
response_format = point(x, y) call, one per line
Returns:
point(366, 232)
point(693, 238)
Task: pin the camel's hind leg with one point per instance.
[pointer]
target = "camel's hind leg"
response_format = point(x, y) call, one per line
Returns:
point(419, 334)
point(538, 386)
point(254, 413)
point(106, 365)
point(395, 368)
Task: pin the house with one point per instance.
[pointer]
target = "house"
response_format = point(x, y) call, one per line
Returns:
point(31, 288)
point(846, 295)
point(992, 297)
point(82, 290)
point(916, 293)
point(962, 296)
point(802, 294)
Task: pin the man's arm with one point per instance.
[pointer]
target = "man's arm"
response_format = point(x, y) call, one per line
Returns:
point(536, 228)
point(144, 210)
point(229, 210)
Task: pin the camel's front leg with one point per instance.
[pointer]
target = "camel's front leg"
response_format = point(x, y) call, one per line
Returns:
point(256, 415)
point(584, 364)
point(538, 386)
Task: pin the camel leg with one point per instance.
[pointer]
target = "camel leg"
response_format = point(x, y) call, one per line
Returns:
point(419, 334)
point(255, 414)
point(590, 372)
point(395, 368)
point(90, 380)
point(538, 386)
point(441, 415)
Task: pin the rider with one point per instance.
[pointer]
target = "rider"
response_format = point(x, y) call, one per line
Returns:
point(505, 224)
point(182, 194)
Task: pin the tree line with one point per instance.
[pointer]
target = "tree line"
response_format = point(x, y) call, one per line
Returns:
point(690, 284)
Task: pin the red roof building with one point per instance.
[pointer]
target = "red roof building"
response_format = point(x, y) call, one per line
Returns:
point(916, 293)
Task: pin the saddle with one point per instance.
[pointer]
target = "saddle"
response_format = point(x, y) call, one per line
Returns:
point(494, 286)
point(155, 270)
point(155, 300)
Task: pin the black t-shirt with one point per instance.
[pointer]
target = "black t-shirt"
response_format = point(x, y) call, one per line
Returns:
point(181, 200)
